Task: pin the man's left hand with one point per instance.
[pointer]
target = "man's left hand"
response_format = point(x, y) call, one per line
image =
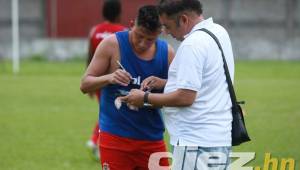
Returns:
point(135, 98)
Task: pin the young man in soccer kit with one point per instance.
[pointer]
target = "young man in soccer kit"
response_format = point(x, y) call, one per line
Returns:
point(121, 62)
point(196, 97)
point(111, 12)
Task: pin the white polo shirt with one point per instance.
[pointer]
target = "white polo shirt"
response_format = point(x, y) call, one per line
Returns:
point(198, 66)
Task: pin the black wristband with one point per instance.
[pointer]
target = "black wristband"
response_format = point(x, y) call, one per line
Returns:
point(146, 97)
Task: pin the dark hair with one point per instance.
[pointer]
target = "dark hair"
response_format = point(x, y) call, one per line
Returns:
point(173, 7)
point(111, 10)
point(148, 18)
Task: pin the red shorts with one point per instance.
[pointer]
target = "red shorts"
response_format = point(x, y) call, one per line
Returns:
point(128, 154)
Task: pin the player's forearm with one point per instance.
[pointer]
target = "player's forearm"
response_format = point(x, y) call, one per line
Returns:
point(92, 83)
point(177, 98)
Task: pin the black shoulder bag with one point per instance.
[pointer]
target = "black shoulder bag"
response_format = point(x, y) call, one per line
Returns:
point(239, 132)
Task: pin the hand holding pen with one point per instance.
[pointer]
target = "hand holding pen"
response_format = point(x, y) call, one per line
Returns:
point(120, 76)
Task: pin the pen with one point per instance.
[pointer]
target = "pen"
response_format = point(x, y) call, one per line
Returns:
point(118, 62)
point(120, 65)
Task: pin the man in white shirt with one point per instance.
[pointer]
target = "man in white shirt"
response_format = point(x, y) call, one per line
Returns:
point(196, 98)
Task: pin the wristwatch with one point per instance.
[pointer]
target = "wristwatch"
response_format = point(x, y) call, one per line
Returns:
point(146, 104)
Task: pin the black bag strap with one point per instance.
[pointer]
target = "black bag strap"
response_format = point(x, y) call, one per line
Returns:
point(228, 79)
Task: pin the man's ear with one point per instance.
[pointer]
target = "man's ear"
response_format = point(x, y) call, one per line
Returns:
point(184, 19)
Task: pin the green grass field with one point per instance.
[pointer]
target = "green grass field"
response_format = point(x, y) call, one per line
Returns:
point(45, 120)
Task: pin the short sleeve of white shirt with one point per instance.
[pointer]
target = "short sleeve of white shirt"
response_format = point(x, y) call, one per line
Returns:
point(190, 66)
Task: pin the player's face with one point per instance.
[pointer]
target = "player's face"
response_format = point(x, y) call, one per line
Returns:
point(142, 39)
point(173, 26)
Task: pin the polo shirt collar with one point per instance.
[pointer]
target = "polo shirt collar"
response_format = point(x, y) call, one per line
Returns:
point(200, 25)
